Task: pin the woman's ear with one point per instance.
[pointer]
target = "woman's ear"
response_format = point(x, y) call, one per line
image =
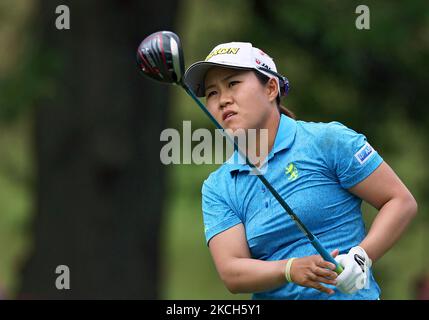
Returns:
point(272, 89)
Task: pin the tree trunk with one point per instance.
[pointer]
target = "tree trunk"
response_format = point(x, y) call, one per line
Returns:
point(100, 182)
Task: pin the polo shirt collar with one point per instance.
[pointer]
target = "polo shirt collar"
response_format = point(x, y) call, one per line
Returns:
point(285, 137)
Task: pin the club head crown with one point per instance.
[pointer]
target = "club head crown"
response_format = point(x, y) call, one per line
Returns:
point(160, 57)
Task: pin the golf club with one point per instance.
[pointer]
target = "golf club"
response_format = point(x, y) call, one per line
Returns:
point(160, 57)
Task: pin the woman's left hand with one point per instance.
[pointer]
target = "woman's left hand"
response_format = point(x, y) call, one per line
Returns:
point(356, 266)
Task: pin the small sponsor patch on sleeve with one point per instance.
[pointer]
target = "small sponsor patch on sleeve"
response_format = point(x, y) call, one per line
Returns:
point(364, 153)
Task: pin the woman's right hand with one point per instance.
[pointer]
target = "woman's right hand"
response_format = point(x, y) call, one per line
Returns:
point(312, 271)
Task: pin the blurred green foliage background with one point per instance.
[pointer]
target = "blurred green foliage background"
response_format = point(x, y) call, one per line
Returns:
point(374, 81)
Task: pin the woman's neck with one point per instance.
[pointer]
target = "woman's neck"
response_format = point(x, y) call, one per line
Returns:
point(258, 150)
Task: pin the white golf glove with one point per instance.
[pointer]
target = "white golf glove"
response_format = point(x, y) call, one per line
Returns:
point(355, 275)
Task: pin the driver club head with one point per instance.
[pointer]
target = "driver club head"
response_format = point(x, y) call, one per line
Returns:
point(160, 57)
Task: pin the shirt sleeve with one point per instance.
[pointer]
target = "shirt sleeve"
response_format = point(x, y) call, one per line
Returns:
point(217, 214)
point(352, 157)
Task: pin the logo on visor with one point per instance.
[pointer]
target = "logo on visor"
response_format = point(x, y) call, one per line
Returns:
point(222, 51)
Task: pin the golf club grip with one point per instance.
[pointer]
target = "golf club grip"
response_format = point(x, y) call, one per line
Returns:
point(313, 239)
point(325, 254)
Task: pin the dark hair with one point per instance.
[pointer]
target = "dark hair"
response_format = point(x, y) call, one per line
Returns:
point(263, 79)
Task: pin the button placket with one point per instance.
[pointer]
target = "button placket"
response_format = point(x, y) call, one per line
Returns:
point(266, 197)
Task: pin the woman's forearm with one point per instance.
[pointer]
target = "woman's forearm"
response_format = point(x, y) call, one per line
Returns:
point(388, 226)
point(245, 275)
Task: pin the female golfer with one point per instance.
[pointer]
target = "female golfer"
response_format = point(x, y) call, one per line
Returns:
point(322, 170)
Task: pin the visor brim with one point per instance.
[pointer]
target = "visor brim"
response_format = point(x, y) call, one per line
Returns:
point(195, 75)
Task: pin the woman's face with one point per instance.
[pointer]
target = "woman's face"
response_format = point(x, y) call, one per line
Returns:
point(238, 100)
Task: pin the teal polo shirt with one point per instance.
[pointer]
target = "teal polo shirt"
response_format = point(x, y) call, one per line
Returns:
point(312, 166)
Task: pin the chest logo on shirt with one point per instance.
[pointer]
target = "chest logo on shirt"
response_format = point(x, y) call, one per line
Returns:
point(291, 172)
